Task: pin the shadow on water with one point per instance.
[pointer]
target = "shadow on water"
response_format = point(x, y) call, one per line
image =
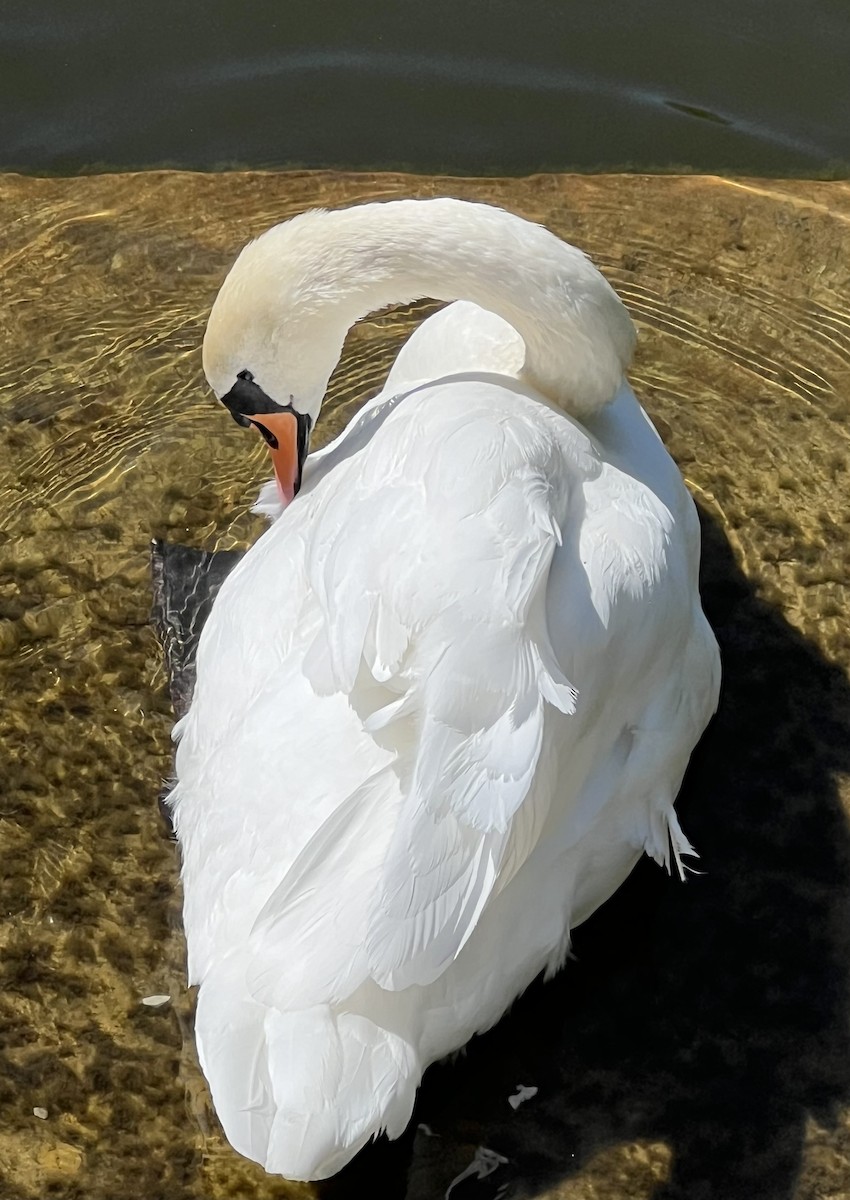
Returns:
point(710, 1017)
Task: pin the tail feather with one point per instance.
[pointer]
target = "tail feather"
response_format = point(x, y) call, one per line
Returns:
point(301, 1091)
point(230, 1036)
point(665, 841)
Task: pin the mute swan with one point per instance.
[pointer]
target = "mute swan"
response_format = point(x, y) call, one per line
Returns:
point(447, 700)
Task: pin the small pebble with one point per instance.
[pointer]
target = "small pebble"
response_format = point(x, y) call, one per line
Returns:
point(486, 1161)
point(522, 1094)
point(155, 1001)
point(40, 1112)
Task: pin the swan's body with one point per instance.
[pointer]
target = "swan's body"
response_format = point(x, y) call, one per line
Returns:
point(447, 700)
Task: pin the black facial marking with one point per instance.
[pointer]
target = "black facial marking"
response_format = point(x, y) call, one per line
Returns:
point(268, 437)
point(246, 399)
point(303, 443)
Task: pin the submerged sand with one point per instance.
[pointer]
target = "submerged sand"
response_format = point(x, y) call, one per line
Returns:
point(699, 1045)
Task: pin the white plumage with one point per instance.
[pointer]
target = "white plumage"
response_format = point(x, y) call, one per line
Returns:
point(447, 700)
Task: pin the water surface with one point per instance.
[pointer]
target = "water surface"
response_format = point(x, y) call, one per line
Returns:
point(698, 1047)
point(502, 86)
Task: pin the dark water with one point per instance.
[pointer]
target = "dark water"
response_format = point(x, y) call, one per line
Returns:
point(465, 86)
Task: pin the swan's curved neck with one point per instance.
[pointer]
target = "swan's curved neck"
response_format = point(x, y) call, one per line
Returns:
point(308, 280)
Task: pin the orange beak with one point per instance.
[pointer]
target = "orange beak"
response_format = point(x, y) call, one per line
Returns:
point(280, 431)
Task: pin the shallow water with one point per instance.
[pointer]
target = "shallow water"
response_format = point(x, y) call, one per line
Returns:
point(699, 1045)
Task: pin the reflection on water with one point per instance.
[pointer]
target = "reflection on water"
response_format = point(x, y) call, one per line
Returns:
point(697, 1048)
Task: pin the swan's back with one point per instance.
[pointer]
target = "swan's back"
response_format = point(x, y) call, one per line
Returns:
point(442, 707)
point(459, 338)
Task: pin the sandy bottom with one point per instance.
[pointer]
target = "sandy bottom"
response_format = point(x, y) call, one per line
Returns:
point(698, 1047)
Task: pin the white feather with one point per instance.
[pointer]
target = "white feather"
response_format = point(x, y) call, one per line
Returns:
point(448, 698)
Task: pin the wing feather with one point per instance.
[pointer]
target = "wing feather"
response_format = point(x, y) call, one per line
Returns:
point(326, 888)
point(454, 633)
point(443, 656)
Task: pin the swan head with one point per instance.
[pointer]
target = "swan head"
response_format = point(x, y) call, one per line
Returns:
point(270, 346)
point(277, 326)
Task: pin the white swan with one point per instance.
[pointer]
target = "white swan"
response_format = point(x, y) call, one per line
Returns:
point(447, 700)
